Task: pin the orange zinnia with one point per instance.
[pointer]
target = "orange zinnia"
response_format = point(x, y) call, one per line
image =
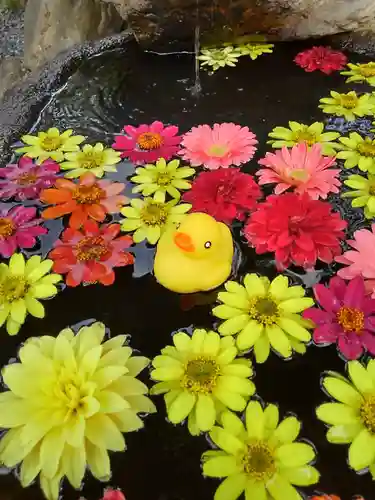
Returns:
point(326, 497)
point(89, 198)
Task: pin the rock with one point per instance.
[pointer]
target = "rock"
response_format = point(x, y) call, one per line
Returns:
point(54, 26)
point(12, 72)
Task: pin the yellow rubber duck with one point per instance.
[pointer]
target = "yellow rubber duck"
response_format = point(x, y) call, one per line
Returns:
point(196, 257)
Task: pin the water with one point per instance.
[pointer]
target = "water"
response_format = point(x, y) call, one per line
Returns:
point(162, 461)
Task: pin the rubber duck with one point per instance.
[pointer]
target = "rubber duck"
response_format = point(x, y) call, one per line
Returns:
point(195, 257)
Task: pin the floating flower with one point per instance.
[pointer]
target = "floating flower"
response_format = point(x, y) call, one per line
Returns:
point(162, 178)
point(110, 494)
point(327, 497)
point(89, 198)
point(224, 145)
point(254, 50)
point(90, 254)
point(347, 316)
point(225, 194)
point(94, 159)
point(364, 194)
point(259, 456)
point(200, 377)
point(148, 143)
point(264, 314)
point(70, 398)
point(298, 229)
point(25, 180)
point(352, 419)
point(301, 168)
point(358, 150)
point(18, 229)
point(322, 59)
point(361, 73)
point(50, 144)
point(22, 283)
point(310, 134)
point(349, 105)
point(360, 261)
point(216, 58)
point(150, 219)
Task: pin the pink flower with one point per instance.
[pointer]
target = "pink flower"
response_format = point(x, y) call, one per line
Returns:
point(347, 317)
point(301, 168)
point(360, 261)
point(148, 143)
point(321, 58)
point(224, 145)
point(25, 180)
point(110, 494)
point(18, 229)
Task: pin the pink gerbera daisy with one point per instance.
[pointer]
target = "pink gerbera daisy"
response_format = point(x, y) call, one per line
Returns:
point(323, 59)
point(18, 229)
point(148, 143)
point(224, 145)
point(301, 168)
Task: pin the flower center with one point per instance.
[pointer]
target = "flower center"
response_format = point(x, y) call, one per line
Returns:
point(163, 179)
point(149, 141)
point(263, 310)
point(349, 101)
point(27, 178)
point(71, 392)
point(200, 375)
point(351, 319)
point(299, 174)
point(372, 190)
point(367, 70)
point(88, 194)
point(367, 147)
point(367, 412)
point(51, 143)
point(7, 227)
point(91, 248)
point(91, 160)
point(305, 136)
point(154, 214)
point(258, 461)
point(218, 150)
point(13, 288)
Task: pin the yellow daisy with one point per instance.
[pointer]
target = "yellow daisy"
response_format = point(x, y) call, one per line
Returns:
point(95, 159)
point(349, 105)
point(358, 150)
point(216, 58)
point(361, 73)
point(255, 50)
point(363, 194)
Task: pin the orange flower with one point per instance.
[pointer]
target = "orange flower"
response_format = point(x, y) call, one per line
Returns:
point(326, 497)
point(90, 198)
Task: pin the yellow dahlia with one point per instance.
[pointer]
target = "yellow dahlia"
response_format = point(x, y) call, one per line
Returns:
point(255, 50)
point(216, 58)
point(200, 377)
point(361, 73)
point(69, 400)
point(358, 151)
point(349, 105)
point(363, 194)
point(95, 159)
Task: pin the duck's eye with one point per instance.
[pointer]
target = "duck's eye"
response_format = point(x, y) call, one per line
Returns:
point(207, 244)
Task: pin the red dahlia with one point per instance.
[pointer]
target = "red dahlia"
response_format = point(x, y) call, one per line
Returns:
point(323, 59)
point(298, 229)
point(225, 194)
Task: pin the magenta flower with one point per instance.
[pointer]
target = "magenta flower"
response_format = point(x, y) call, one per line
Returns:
point(347, 316)
point(148, 143)
point(18, 229)
point(25, 180)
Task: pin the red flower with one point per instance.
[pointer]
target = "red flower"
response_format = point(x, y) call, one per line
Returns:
point(298, 229)
point(321, 58)
point(90, 254)
point(225, 194)
point(110, 494)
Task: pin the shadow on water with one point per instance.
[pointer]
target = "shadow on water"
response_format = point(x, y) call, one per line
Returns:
point(162, 462)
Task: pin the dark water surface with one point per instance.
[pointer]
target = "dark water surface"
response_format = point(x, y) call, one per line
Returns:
point(162, 461)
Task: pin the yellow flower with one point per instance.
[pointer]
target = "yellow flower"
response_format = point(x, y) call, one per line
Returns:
point(349, 105)
point(358, 150)
point(218, 58)
point(265, 314)
point(299, 132)
point(95, 159)
point(361, 73)
point(69, 400)
point(201, 377)
point(255, 50)
point(352, 419)
point(162, 178)
point(364, 194)
point(150, 219)
point(50, 144)
point(259, 457)
point(21, 285)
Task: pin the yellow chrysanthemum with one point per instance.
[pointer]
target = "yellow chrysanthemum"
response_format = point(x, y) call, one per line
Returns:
point(349, 105)
point(352, 419)
point(150, 218)
point(364, 194)
point(201, 377)
point(216, 58)
point(95, 159)
point(299, 132)
point(259, 457)
point(162, 178)
point(265, 314)
point(69, 400)
point(361, 73)
point(255, 50)
point(358, 150)
point(22, 283)
point(50, 144)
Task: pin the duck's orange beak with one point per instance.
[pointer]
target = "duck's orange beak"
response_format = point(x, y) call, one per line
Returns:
point(184, 242)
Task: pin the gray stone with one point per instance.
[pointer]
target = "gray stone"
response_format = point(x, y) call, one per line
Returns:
point(12, 72)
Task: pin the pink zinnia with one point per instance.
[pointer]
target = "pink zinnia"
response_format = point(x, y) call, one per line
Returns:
point(360, 261)
point(148, 143)
point(301, 168)
point(321, 58)
point(298, 229)
point(18, 229)
point(224, 145)
point(25, 180)
point(347, 316)
point(111, 494)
